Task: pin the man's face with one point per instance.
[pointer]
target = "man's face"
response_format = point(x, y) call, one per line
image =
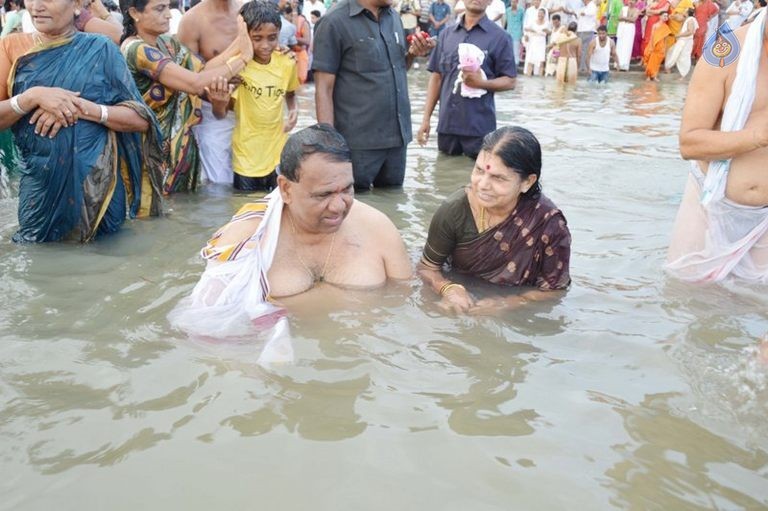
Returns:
point(602, 34)
point(555, 24)
point(321, 199)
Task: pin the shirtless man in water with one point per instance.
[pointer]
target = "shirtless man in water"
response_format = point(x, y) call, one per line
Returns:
point(208, 29)
point(728, 236)
point(326, 236)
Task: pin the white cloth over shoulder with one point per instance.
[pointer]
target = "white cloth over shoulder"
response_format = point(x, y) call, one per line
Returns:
point(470, 59)
point(230, 300)
point(737, 107)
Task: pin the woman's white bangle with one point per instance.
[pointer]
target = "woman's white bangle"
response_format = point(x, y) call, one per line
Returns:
point(104, 114)
point(16, 107)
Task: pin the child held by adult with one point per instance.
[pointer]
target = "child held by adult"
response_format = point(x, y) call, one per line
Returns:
point(268, 82)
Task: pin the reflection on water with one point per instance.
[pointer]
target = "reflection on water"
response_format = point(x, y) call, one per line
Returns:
point(631, 392)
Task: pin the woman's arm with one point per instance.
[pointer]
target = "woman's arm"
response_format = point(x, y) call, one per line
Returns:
point(454, 296)
point(61, 104)
point(293, 111)
point(107, 28)
point(117, 118)
point(489, 306)
point(181, 79)
point(241, 46)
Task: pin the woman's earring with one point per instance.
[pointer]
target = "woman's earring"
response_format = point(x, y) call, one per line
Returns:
point(77, 12)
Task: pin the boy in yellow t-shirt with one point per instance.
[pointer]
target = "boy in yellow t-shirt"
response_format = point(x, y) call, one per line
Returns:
point(268, 82)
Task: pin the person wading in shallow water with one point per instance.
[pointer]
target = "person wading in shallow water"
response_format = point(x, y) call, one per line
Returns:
point(721, 228)
point(324, 236)
point(501, 229)
point(207, 30)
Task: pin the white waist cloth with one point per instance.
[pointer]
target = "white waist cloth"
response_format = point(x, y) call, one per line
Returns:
point(230, 302)
point(214, 139)
point(724, 238)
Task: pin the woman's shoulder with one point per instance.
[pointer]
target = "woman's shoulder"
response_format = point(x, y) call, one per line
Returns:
point(545, 207)
point(454, 208)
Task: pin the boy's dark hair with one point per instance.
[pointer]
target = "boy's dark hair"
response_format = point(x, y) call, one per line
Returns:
point(316, 13)
point(555, 17)
point(317, 139)
point(602, 28)
point(260, 12)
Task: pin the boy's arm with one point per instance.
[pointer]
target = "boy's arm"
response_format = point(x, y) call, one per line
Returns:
point(293, 111)
point(220, 95)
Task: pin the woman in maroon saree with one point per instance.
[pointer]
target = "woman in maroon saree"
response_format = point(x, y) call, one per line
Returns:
point(500, 228)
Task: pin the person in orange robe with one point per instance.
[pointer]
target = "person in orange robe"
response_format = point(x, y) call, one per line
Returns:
point(657, 47)
point(304, 38)
point(653, 12)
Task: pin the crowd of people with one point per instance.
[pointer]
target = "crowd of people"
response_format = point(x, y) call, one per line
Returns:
point(114, 121)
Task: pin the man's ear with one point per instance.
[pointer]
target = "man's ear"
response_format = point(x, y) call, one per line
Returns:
point(285, 185)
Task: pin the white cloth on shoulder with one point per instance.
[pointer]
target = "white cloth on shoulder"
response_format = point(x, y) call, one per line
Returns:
point(737, 107)
point(230, 300)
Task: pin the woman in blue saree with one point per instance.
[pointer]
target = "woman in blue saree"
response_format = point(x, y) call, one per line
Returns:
point(77, 120)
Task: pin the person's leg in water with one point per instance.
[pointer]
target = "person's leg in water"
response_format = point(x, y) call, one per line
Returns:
point(255, 184)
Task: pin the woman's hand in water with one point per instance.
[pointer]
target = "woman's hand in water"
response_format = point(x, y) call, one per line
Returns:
point(457, 299)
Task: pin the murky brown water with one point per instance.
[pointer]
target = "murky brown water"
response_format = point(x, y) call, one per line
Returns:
point(634, 392)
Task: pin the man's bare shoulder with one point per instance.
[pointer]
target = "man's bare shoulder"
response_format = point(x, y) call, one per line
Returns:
point(369, 219)
point(237, 231)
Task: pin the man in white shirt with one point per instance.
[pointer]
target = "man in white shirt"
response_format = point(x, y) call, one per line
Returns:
point(532, 12)
point(586, 26)
point(495, 12)
point(562, 8)
point(317, 5)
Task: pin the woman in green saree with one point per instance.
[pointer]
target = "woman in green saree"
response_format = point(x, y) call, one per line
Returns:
point(172, 79)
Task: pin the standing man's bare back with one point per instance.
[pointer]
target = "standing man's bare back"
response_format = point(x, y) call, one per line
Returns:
point(721, 228)
point(209, 27)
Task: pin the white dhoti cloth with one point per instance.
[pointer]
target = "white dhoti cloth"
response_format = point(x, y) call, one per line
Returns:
point(231, 300)
point(725, 238)
point(625, 41)
point(214, 139)
point(713, 236)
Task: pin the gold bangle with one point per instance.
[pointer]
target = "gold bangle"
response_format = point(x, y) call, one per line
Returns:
point(448, 286)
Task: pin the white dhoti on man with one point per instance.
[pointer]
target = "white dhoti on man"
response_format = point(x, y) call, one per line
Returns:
point(231, 301)
point(625, 41)
point(214, 139)
point(714, 237)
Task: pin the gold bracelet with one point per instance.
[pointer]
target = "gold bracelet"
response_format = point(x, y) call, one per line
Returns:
point(448, 286)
